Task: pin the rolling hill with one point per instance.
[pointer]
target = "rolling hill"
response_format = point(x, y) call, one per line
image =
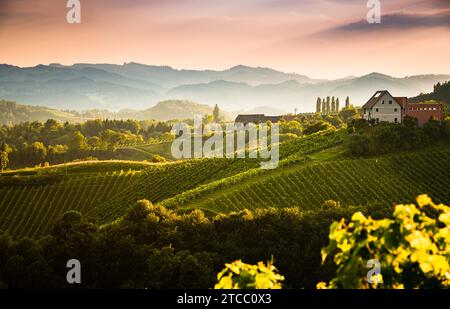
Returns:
point(11, 112)
point(168, 110)
point(312, 169)
point(350, 182)
point(32, 199)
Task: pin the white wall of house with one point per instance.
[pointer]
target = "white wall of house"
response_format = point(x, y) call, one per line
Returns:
point(386, 109)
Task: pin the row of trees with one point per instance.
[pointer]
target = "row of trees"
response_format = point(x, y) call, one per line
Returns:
point(330, 105)
point(387, 137)
point(152, 247)
point(441, 93)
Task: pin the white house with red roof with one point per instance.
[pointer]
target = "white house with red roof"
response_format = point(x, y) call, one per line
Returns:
point(382, 106)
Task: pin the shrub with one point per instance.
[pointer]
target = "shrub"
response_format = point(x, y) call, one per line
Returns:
point(158, 159)
point(286, 137)
point(331, 204)
point(413, 248)
point(386, 138)
point(89, 158)
point(238, 275)
point(318, 126)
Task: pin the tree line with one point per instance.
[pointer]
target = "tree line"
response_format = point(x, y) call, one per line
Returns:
point(441, 93)
point(153, 247)
point(330, 105)
point(367, 139)
point(33, 143)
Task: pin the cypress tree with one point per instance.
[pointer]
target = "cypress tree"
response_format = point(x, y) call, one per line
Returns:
point(216, 113)
point(328, 105)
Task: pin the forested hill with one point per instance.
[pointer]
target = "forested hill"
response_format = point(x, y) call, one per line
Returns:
point(11, 113)
point(168, 110)
point(441, 93)
point(14, 113)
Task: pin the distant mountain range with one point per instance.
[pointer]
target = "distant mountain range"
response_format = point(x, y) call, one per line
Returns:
point(137, 86)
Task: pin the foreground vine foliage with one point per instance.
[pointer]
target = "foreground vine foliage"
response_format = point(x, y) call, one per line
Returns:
point(238, 275)
point(413, 248)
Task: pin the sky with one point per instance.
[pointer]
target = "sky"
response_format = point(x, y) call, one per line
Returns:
point(318, 38)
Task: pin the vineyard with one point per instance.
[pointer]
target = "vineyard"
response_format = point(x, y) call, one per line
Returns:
point(396, 178)
point(31, 201)
point(164, 181)
point(170, 181)
point(311, 170)
point(31, 210)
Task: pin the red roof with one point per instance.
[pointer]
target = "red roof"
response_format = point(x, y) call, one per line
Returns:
point(403, 101)
point(374, 99)
point(428, 105)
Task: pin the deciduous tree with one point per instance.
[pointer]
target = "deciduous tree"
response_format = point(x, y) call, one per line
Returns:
point(4, 160)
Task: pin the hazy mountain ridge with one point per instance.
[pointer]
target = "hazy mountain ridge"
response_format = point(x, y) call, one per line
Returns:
point(136, 86)
point(168, 110)
point(12, 112)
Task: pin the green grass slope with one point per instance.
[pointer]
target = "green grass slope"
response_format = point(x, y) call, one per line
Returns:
point(79, 168)
point(146, 151)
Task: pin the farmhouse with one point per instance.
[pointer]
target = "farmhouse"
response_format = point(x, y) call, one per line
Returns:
point(256, 118)
point(382, 106)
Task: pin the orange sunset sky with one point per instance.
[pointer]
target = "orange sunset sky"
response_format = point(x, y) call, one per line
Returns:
point(319, 38)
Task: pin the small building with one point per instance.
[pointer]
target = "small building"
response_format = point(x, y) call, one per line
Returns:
point(424, 111)
point(256, 118)
point(382, 106)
